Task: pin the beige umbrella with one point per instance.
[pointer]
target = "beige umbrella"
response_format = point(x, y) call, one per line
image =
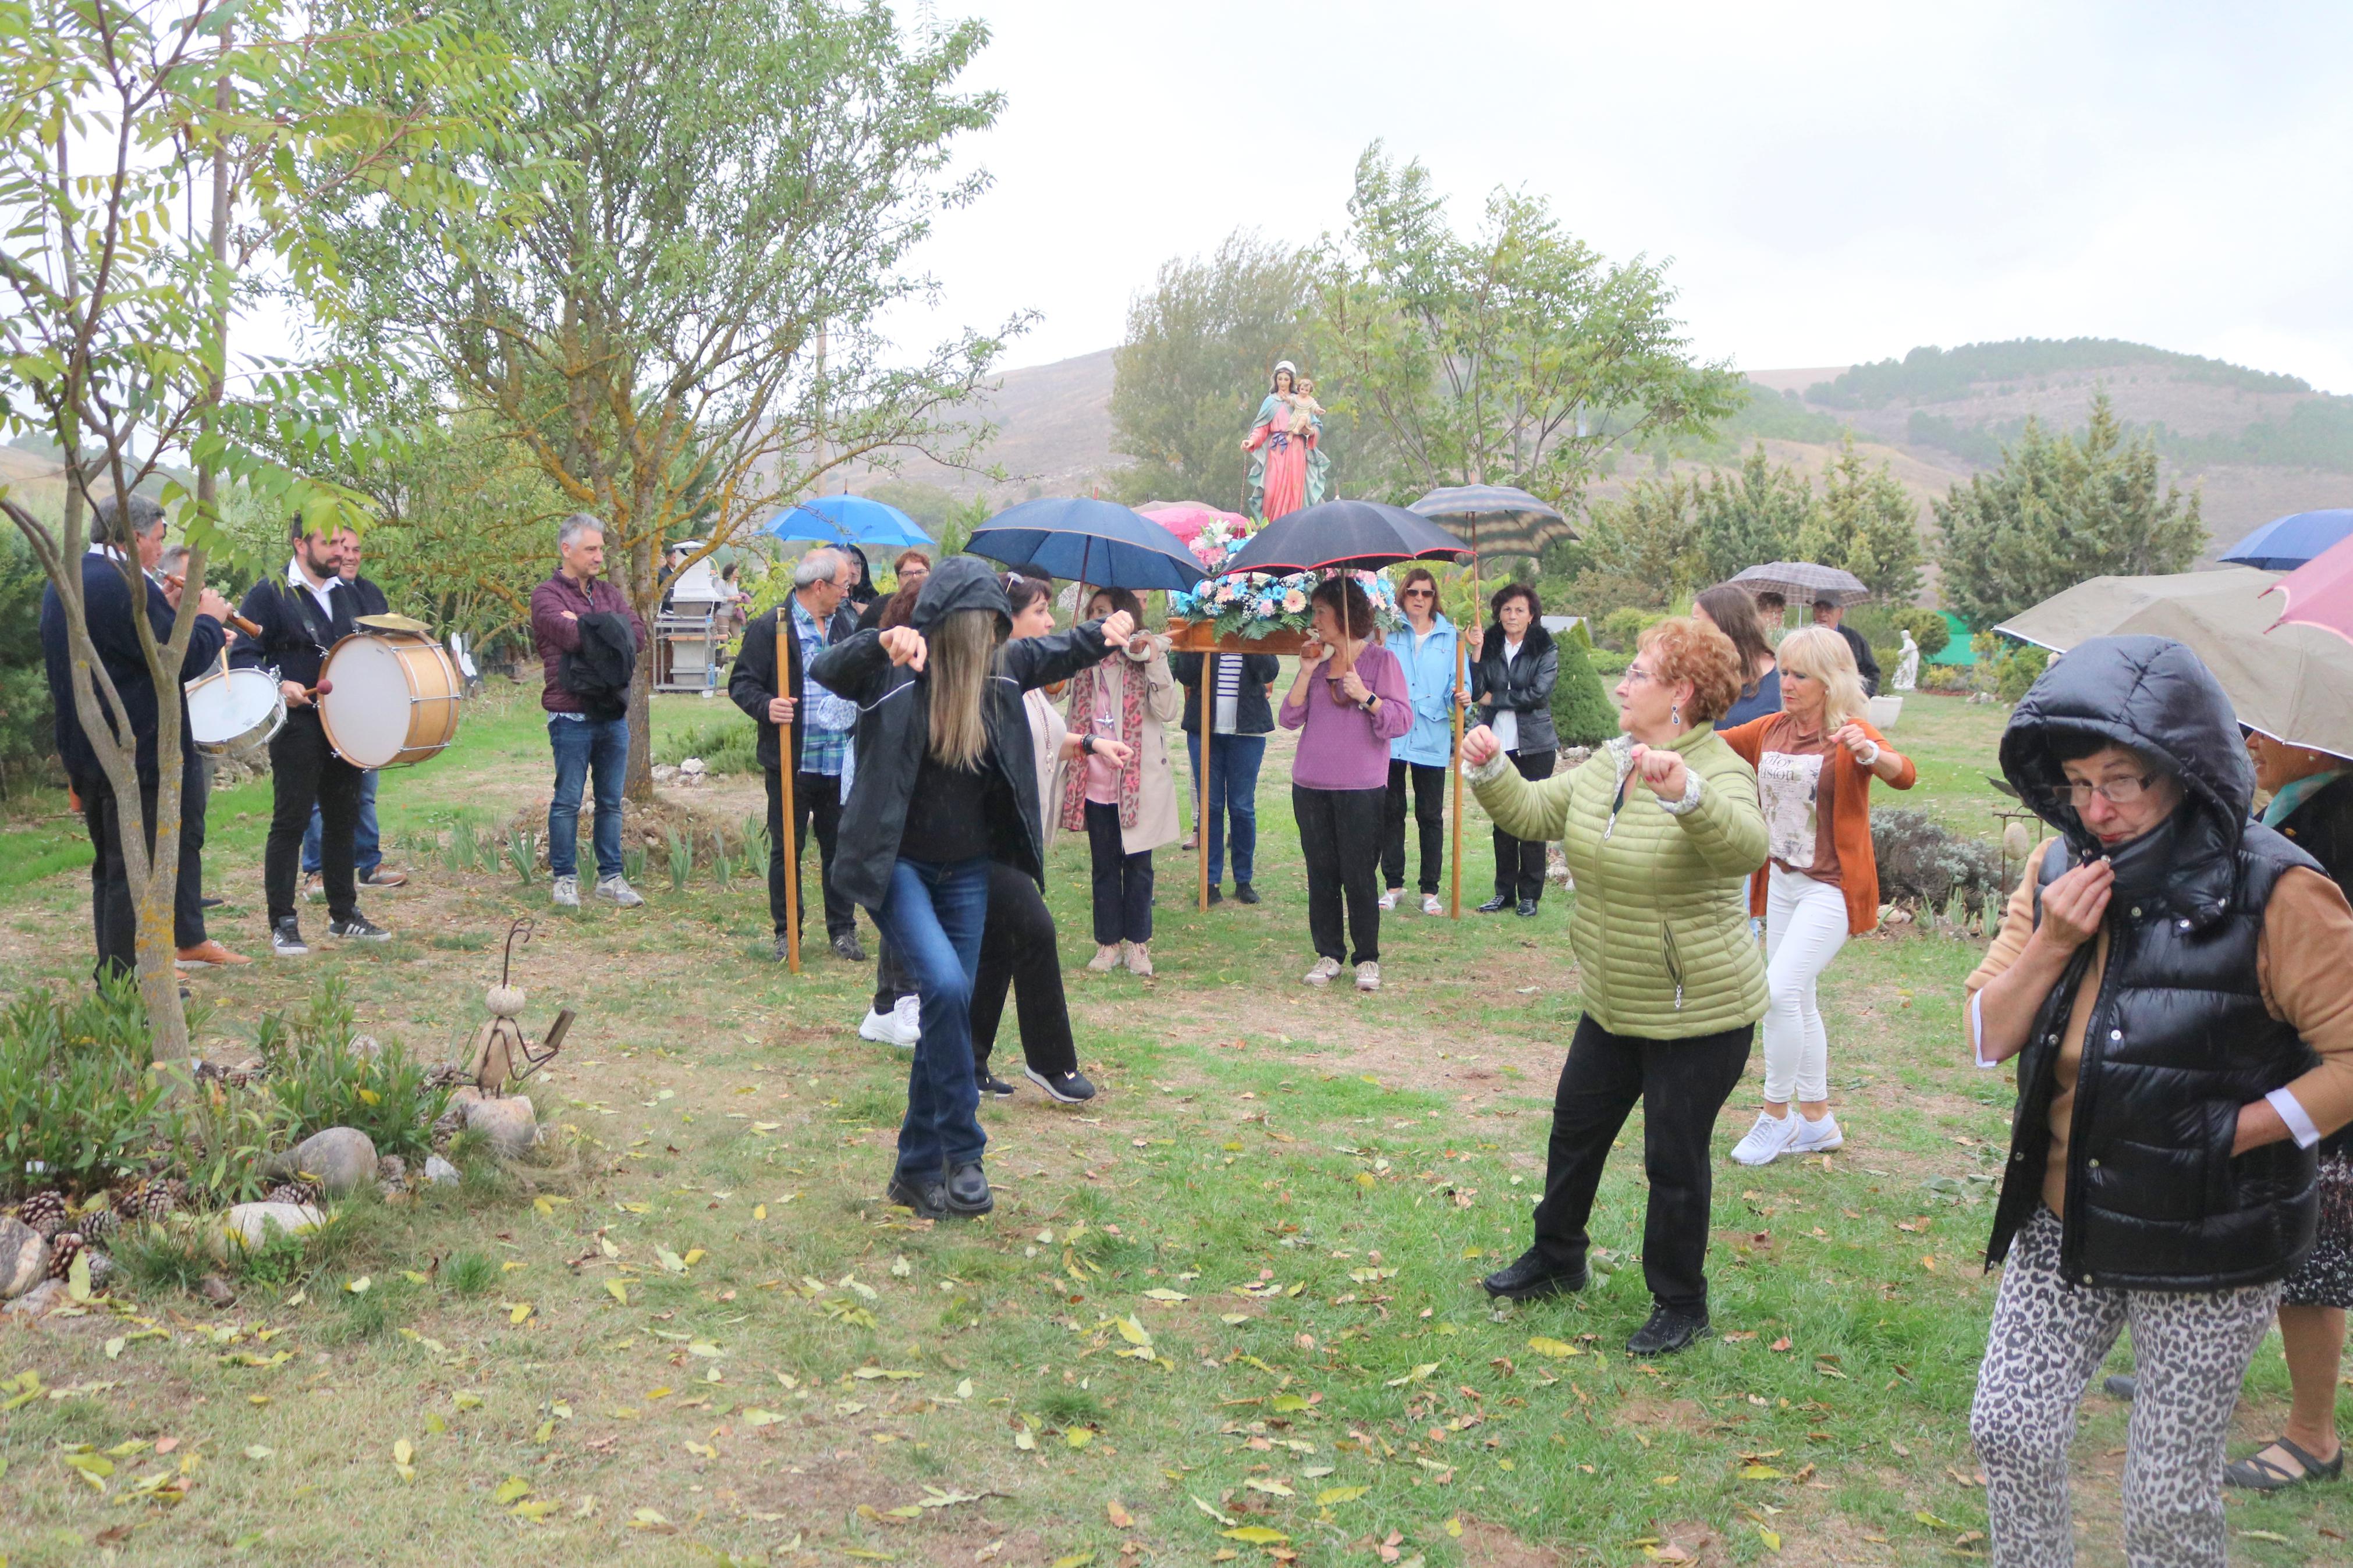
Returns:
point(2294, 683)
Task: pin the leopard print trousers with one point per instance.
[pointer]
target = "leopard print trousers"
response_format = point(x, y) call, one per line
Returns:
point(2047, 1339)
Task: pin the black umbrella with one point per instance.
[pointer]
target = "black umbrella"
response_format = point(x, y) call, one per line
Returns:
point(1098, 543)
point(1497, 519)
point(1358, 535)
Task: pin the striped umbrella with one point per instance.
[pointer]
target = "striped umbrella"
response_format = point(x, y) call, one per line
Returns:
point(1803, 581)
point(1497, 519)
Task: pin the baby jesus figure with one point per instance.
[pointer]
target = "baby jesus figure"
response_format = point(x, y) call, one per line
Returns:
point(1305, 410)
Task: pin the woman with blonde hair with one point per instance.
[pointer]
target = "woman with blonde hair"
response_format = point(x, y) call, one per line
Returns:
point(1815, 761)
point(1661, 832)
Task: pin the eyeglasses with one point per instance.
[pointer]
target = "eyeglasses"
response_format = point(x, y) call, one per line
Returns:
point(1636, 675)
point(2115, 792)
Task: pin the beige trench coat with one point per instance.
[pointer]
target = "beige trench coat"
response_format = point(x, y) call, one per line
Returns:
point(1164, 702)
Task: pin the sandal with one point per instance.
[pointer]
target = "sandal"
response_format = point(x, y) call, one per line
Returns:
point(2266, 1472)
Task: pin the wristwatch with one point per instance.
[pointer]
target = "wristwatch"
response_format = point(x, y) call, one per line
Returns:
point(1367, 705)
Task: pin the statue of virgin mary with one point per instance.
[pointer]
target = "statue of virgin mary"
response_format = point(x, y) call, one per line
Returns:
point(1287, 465)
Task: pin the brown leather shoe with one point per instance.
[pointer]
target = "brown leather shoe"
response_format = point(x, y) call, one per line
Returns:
point(209, 954)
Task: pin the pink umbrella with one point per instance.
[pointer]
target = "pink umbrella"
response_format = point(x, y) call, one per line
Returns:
point(2320, 592)
point(1186, 519)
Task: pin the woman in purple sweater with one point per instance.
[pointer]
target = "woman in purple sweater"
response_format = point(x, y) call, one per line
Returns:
point(1347, 704)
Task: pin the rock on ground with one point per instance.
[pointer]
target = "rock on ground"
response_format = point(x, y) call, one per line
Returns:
point(248, 1225)
point(440, 1172)
point(512, 1125)
point(340, 1158)
point(24, 1259)
point(46, 1297)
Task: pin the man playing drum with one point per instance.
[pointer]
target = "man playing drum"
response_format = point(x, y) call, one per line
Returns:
point(114, 587)
point(301, 617)
point(367, 845)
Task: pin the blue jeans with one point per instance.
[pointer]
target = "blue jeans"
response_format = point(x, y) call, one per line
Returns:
point(1233, 794)
point(367, 853)
point(584, 746)
point(934, 915)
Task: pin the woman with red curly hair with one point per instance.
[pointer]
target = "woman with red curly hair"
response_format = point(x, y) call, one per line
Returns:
point(1662, 832)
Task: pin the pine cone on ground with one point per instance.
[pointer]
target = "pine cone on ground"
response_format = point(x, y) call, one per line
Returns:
point(294, 1191)
point(43, 1211)
point(97, 1225)
point(149, 1197)
point(63, 1249)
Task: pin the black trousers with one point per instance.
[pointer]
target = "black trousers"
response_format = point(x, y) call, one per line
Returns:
point(816, 799)
point(1681, 1085)
point(892, 979)
point(113, 914)
point(1520, 862)
point(304, 773)
point(1340, 840)
point(1016, 950)
point(1429, 815)
point(1123, 882)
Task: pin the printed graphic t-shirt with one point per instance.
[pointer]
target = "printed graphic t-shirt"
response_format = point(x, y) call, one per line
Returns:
point(1795, 780)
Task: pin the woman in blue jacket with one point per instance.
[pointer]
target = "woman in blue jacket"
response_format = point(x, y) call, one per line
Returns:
point(1421, 755)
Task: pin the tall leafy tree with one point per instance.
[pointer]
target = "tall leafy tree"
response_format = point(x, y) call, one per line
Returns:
point(680, 314)
point(1752, 517)
point(1190, 375)
point(1513, 354)
point(116, 117)
point(1868, 524)
point(2057, 510)
point(1642, 548)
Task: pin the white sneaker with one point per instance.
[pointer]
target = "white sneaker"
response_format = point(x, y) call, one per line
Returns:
point(1389, 898)
point(1107, 957)
point(1768, 1140)
point(909, 1012)
point(883, 1029)
point(1369, 976)
point(1139, 959)
point(618, 889)
point(1326, 968)
point(568, 892)
point(1430, 906)
point(1817, 1137)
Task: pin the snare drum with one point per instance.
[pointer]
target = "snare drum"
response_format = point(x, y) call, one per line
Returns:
point(392, 698)
point(235, 713)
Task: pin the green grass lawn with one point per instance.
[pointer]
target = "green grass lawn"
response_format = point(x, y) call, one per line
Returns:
point(1227, 1312)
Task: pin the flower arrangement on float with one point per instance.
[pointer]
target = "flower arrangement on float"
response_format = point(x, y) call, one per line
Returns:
point(1256, 606)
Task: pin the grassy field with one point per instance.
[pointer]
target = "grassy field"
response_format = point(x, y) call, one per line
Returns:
point(1229, 1312)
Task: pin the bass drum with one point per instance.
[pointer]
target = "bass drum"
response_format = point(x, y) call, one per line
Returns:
point(235, 713)
point(391, 698)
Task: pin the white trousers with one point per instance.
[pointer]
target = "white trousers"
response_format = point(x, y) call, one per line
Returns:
point(1805, 925)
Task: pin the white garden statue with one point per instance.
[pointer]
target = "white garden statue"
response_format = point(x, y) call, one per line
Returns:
point(1907, 668)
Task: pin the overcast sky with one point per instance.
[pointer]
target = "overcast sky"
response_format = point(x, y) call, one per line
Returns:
point(1833, 182)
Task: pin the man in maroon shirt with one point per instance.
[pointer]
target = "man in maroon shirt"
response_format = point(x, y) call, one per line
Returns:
point(586, 742)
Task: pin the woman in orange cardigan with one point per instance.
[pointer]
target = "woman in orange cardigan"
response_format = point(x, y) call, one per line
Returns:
point(1814, 761)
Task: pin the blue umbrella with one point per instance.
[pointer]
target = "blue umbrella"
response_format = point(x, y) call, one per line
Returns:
point(1098, 543)
point(2286, 544)
point(850, 520)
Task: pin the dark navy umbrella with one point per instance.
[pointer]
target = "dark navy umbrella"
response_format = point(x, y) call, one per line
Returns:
point(2286, 544)
point(1098, 543)
point(1359, 535)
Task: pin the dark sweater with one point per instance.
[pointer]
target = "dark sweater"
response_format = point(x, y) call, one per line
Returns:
point(295, 635)
point(555, 634)
point(107, 608)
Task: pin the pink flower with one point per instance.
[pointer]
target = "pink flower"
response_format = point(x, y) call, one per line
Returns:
point(1294, 601)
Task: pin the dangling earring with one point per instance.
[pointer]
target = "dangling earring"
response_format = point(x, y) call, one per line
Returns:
point(1675, 714)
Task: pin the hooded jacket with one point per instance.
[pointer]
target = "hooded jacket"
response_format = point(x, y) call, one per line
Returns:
point(894, 726)
point(2179, 1038)
point(1524, 685)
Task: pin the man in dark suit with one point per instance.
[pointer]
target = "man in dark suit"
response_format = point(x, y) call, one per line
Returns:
point(367, 845)
point(769, 685)
point(115, 586)
point(1829, 612)
point(302, 614)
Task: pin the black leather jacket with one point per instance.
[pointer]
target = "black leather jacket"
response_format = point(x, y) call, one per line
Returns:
point(1524, 685)
point(2179, 1037)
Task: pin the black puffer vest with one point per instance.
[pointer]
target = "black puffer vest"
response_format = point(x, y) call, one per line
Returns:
point(2179, 1038)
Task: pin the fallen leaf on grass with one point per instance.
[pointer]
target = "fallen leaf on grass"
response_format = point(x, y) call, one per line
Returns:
point(1331, 1495)
point(1257, 1535)
point(1075, 1560)
point(256, 1451)
point(1212, 1512)
point(536, 1510)
point(755, 1417)
point(358, 1287)
point(1273, 1488)
point(1161, 1293)
point(1416, 1375)
point(1079, 1437)
point(618, 1291)
point(1551, 1347)
point(1120, 1517)
point(649, 1519)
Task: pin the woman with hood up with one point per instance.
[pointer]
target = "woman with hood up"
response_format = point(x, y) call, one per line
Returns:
point(946, 782)
point(2176, 983)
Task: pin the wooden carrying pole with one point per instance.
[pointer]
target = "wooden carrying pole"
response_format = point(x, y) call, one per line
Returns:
point(1201, 818)
point(1461, 690)
point(791, 848)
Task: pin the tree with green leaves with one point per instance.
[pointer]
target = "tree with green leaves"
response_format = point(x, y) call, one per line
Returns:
point(1193, 367)
point(1516, 354)
point(1752, 517)
point(1867, 523)
point(115, 117)
point(680, 309)
point(2058, 510)
point(1642, 548)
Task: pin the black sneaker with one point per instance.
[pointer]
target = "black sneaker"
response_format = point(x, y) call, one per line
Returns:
point(967, 1190)
point(1496, 905)
point(1533, 1277)
point(358, 928)
point(994, 1087)
point(1216, 894)
point(1070, 1088)
point(1526, 910)
point(1667, 1333)
point(286, 940)
point(846, 946)
point(1244, 893)
point(2121, 1385)
point(928, 1198)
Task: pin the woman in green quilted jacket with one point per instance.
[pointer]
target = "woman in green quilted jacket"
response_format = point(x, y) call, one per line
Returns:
point(1661, 830)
